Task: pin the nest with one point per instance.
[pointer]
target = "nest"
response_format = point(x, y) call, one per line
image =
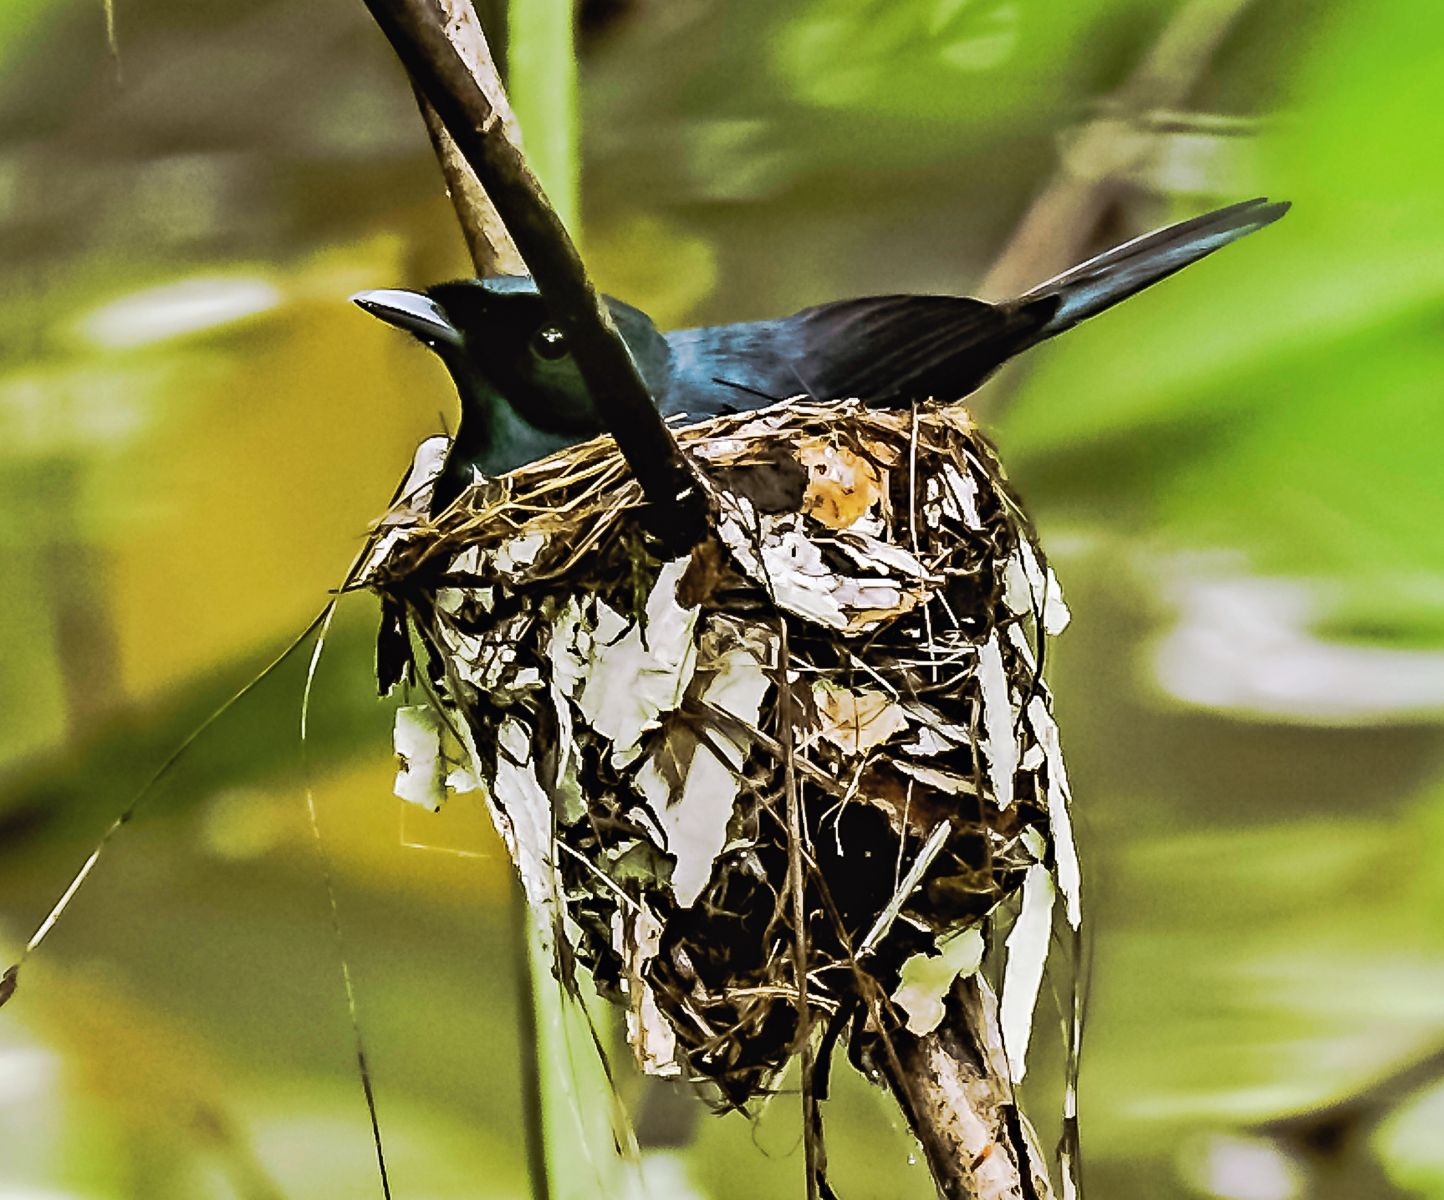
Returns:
point(841, 682)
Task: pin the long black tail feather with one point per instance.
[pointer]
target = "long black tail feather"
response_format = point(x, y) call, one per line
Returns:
point(1098, 284)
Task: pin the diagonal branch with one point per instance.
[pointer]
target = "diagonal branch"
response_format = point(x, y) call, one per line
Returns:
point(417, 32)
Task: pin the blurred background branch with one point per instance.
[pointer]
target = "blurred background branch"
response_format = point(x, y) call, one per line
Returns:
point(1084, 207)
point(1072, 216)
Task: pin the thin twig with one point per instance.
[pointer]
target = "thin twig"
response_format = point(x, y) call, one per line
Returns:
point(493, 252)
point(677, 502)
point(328, 877)
point(812, 1150)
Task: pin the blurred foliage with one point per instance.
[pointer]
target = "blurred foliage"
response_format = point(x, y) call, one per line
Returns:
point(184, 474)
point(1303, 426)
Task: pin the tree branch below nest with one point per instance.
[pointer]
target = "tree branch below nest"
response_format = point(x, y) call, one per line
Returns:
point(953, 1085)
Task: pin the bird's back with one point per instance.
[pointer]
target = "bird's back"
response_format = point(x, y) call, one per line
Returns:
point(901, 348)
point(875, 348)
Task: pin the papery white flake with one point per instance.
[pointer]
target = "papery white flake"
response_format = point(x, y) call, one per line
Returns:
point(934, 733)
point(384, 547)
point(927, 743)
point(738, 686)
point(484, 659)
point(640, 672)
point(776, 552)
point(718, 449)
point(1023, 975)
point(518, 552)
point(567, 798)
point(866, 602)
point(963, 492)
point(420, 772)
point(875, 554)
point(928, 978)
point(789, 565)
point(637, 937)
point(1065, 852)
point(1056, 613)
point(1027, 587)
point(462, 779)
point(520, 796)
point(462, 776)
point(944, 781)
point(999, 743)
point(569, 649)
point(467, 562)
point(1022, 645)
point(694, 822)
point(451, 599)
point(414, 501)
point(426, 465)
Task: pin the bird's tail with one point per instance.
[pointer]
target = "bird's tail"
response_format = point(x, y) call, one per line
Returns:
point(1116, 274)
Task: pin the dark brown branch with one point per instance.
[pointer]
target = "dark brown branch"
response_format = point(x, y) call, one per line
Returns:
point(415, 29)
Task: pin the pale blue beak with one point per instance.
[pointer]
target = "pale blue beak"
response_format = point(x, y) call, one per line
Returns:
point(414, 312)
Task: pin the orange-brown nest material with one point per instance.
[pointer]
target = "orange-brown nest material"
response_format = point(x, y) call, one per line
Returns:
point(623, 713)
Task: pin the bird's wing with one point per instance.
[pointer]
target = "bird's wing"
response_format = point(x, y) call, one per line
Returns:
point(905, 347)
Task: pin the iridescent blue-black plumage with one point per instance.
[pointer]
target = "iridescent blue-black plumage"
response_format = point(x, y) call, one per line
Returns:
point(522, 397)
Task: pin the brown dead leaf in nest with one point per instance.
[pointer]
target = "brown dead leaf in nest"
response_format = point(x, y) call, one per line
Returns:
point(704, 573)
point(842, 486)
point(856, 720)
point(913, 807)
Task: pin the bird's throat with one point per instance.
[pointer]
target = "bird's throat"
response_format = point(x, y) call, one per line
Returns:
point(491, 439)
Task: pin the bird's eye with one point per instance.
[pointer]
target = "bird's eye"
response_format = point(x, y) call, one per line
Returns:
point(549, 343)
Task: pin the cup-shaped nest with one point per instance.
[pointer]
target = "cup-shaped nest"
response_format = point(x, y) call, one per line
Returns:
point(842, 681)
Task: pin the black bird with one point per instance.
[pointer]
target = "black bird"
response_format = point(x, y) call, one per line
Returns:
point(522, 396)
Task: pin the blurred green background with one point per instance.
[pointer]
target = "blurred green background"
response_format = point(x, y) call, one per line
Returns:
point(1238, 475)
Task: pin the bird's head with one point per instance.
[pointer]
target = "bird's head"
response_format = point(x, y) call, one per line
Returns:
point(521, 392)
